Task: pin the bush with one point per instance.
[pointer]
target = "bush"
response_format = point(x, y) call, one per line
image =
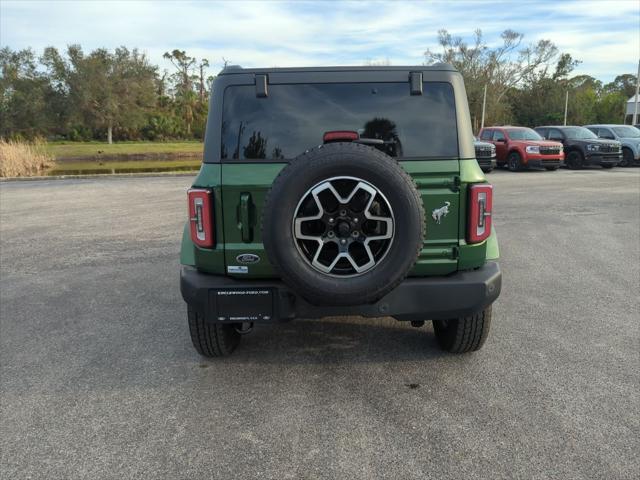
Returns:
point(19, 159)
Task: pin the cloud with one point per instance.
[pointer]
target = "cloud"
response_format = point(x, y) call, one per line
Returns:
point(303, 33)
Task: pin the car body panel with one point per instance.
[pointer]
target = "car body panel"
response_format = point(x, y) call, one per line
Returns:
point(485, 154)
point(240, 187)
point(609, 152)
point(606, 131)
point(504, 149)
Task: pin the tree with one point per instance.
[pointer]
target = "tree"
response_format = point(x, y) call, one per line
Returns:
point(610, 107)
point(202, 85)
point(625, 84)
point(118, 94)
point(184, 66)
point(256, 146)
point(24, 95)
point(186, 99)
point(105, 90)
point(500, 68)
point(539, 99)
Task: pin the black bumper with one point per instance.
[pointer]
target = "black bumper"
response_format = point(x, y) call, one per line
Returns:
point(416, 298)
point(487, 163)
point(603, 159)
point(539, 163)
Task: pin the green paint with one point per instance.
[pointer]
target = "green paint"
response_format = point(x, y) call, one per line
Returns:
point(240, 190)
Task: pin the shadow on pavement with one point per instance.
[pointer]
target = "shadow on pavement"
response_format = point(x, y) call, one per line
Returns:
point(337, 340)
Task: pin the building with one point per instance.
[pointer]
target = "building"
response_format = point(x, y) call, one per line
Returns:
point(631, 105)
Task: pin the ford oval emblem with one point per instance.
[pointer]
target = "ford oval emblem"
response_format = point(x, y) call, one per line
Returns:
point(248, 258)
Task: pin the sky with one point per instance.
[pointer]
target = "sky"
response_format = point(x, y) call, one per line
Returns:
point(603, 34)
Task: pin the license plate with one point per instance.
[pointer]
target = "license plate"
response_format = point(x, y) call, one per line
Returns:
point(243, 304)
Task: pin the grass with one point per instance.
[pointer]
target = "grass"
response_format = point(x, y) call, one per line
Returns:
point(127, 166)
point(66, 151)
point(79, 158)
point(23, 159)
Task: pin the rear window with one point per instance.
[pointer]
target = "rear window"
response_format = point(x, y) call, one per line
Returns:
point(293, 118)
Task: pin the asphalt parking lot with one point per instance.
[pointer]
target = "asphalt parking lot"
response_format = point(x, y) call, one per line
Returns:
point(99, 378)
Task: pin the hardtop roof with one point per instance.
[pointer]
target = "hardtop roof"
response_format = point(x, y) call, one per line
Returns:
point(560, 127)
point(509, 127)
point(440, 67)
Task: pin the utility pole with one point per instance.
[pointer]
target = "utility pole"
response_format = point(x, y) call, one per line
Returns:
point(484, 105)
point(635, 108)
point(566, 106)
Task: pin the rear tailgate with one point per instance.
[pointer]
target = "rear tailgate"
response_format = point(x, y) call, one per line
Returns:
point(245, 186)
point(438, 182)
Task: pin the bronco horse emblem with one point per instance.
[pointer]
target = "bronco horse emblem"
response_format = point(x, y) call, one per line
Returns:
point(441, 212)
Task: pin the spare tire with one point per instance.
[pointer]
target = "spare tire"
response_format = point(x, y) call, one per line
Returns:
point(343, 224)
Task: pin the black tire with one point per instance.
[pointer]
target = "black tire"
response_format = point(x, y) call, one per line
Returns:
point(212, 339)
point(466, 334)
point(316, 166)
point(607, 165)
point(551, 169)
point(487, 170)
point(514, 162)
point(627, 157)
point(575, 160)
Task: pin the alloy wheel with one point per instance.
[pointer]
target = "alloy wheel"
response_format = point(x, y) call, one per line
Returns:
point(343, 226)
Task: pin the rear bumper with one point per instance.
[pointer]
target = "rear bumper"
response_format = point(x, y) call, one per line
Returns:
point(416, 298)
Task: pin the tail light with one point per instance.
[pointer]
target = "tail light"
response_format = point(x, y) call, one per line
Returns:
point(480, 204)
point(339, 136)
point(201, 217)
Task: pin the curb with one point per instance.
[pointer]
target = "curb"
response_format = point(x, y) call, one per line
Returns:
point(100, 175)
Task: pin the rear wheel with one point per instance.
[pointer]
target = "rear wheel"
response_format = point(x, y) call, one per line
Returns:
point(574, 160)
point(212, 339)
point(627, 158)
point(465, 334)
point(514, 162)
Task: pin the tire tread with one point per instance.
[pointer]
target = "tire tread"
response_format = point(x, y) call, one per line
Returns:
point(211, 339)
point(464, 334)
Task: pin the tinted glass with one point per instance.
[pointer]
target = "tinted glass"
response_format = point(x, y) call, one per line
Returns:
point(543, 132)
point(486, 135)
point(294, 118)
point(498, 135)
point(626, 132)
point(555, 134)
point(579, 133)
point(523, 134)
point(604, 133)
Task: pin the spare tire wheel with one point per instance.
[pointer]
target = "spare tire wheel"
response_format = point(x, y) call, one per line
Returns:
point(343, 224)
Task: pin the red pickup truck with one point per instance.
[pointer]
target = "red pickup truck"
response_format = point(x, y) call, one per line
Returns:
point(520, 147)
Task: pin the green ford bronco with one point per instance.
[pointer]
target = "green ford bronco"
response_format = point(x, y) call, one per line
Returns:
point(339, 191)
